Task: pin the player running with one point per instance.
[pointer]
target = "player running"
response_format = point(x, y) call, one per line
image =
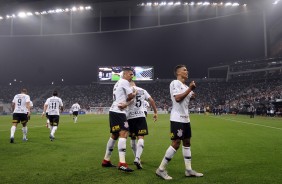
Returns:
point(75, 108)
point(54, 104)
point(21, 111)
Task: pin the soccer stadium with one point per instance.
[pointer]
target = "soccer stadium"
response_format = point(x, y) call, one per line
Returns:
point(75, 76)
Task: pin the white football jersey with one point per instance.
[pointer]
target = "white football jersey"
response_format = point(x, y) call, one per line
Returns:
point(54, 103)
point(180, 110)
point(136, 109)
point(30, 104)
point(146, 105)
point(75, 107)
point(20, 101)
point(120, 92)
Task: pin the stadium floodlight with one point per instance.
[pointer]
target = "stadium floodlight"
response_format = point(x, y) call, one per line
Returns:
point(186, 4)
point(81, 8)
point(8, 16)
point(206, 3)
point(74, 9)
point(276, 2)
point(22, 15)
point(88, 7)
point(177, 3)
point(228, 4)
point(192, 3)
point(51, 11)
point(37, 13)
point(43, 12)
point(235, 4)
point(13, 15)
point(170, 3)
point(199, 3)
point(149, 4)
point(29, 14)
point(59, 10)
point(1, 18)
point(163, 3)
point(156, 3)
point(67, 10)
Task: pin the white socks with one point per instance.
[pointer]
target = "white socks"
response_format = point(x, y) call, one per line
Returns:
point(186, 151)
point(168, 156)
point(122, 149)
point(13, 130)
point(75, 119)
point(140, 147)
point(109, 149)
point(24, 129)
point(53, 130)
point(133, 146)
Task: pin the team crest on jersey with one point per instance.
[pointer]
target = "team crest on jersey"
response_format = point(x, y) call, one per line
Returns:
point(126, 124)
point(179, 133)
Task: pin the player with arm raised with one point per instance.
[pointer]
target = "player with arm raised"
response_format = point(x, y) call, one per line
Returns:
point(54, 105)
point(21, 111)
point(122, 95)
point(179, 123)
point(75, 108)
point(137, 122)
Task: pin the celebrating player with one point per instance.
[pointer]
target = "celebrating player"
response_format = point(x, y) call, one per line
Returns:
point(122, 95)
point(179, 123)
point(21, 111)
point(137, 122)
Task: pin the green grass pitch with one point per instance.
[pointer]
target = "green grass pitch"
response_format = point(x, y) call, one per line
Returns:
point(227, 149)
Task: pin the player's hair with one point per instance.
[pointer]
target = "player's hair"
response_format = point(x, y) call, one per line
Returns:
point(176, 68)
point(127, 69)
point(24, 91)
point(55, 93)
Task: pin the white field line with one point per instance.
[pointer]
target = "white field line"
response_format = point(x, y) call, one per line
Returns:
point(248, 123)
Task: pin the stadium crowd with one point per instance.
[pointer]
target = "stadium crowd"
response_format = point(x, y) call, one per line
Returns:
point(227, 96)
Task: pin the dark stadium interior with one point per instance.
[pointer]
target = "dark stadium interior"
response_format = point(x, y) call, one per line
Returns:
point(66, 50)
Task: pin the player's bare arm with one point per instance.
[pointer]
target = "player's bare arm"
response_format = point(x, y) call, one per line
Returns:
point(153, 104)
point(44, 110)
point(180, 97)
point(28, 108)
point(13, 106)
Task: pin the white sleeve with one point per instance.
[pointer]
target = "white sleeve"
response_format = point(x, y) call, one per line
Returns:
point(126, 86)
point(27, 98)
point(47, 102)
point(147, 95)
point(176, 86)
point(14, 99)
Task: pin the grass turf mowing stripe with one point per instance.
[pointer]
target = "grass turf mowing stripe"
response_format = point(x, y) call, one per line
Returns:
point(229, 119)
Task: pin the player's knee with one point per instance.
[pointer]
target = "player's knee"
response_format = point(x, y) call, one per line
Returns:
point(186, 143)
point(176, 144)
point(115, 136)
